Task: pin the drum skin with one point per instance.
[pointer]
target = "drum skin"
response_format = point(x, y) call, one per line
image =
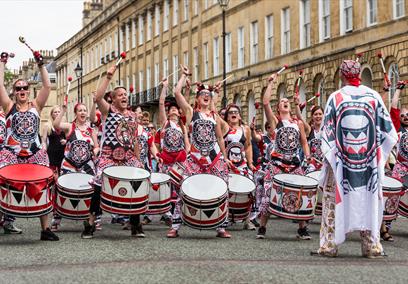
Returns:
point(240, 197)
point(205, 201)
point(25, 190)
point(125, 190)
point(74, 196)
point(159, 194)
point(293, 197)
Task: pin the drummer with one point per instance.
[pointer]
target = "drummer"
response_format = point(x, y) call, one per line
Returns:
point(25, 143)
point(81, 147)
point(119, 148)
point(207, 150)
point(289, 136)
point(314, 135)
point(238, 147)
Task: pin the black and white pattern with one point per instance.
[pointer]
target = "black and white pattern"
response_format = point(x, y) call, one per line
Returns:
point(25, 126)
point(118, 130)
point(203, 135)
point(80, 152)
point(403, 146)
point(287, 140)
point(173, 140)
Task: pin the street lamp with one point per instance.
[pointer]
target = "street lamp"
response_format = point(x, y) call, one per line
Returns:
point(78, 73)
point(224, 4)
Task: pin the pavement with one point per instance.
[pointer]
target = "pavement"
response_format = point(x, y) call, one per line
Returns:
point(195, 257)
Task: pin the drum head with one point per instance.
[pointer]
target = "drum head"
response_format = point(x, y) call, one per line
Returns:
point(315, 175)
point(126, 173)
point(204, 187)
point(296, 180)
point(26, 172)
point(240, 184)
point(159, 178)
point(75, 181)
point(390, 182)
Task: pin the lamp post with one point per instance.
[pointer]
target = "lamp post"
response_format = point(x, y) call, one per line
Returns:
point(224, 4)
point(78, 73)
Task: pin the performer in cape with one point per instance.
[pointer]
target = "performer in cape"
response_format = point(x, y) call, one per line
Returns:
point(118, 147)
point(288, 136)
point(358, 136)
point(207, 150)
point(22, 141)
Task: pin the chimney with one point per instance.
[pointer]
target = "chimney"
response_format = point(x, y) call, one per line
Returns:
point(91, 10)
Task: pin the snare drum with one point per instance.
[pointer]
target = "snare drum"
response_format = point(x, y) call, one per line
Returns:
point(392, 194)
point(74, 196)
point(159, 194)
point(319, 206)
point(241, 196)
point(26, 190)
point(125, 190)
point(403, 204)
point(293, 197)
point(205, 201)
point(176, 173)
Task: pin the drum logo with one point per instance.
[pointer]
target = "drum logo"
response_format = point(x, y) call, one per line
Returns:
point(118, 154)
point(291, 202)
point(235, 152)
point(122, 191)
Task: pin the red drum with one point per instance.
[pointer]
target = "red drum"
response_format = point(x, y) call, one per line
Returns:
point(293, 197)
point(403, 204)
point(26, 190)
point(316, 176)
point(392, 193)
point(205, 201)
point(159, 194)
point(74, 196)
point(176, 173)
point(240, 196)
point(125, 190)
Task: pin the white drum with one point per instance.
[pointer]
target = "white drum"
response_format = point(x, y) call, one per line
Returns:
point(74, 194)
point(392, 189)
point(159, 194)
point(125, 190)
point(205, 201)
point(319, 205)
point(241, 196)
point(403, 204)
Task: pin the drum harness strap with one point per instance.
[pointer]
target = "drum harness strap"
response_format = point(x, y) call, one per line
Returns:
point(206, 168)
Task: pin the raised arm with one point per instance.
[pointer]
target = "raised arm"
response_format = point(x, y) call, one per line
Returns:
point(303, 141)
point(299, 116)
point(270, 117)
point(100, 101)
point(59, 125)
point(181, 100)
point(4, 98)
point(162, 99)
point(92, 112)
point(248, 148)
point(45, 90)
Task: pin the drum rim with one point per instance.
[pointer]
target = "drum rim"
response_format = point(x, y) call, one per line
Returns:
point(295, 185)
point(226, 185)
point(126, 179)
point(50, 178)
point(394, 180)
point(70, 189)
point(233, 174)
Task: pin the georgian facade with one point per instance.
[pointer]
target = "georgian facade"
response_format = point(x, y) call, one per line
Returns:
point(261, 36)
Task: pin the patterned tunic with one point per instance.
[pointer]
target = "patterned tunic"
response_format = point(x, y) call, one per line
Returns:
point(315, 144)
point(145, 140)
point(235, 149)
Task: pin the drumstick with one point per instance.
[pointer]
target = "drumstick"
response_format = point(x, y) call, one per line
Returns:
point(67, 92)
point(232, 75)
point(122, 56)
point(386, 79)
point(257, 106)
point(171, 74)
point(285, 66)
point(303, 105)
point(359, 55)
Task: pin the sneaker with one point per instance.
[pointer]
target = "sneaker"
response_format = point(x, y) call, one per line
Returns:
point(55, 224)
point(146, 220)
point(303, 234)
point(11, 229)
point(88, 231)
point(172, 233)
point(48, 235)
point(249, 226)
point(137, 231)
point(261, 233)
point(223, 235)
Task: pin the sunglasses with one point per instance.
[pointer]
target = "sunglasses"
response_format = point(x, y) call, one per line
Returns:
point(404, 114)
point(233, 112)
point(21, 88)
point(203, 93)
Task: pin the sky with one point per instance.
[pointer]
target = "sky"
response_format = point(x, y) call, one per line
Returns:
point(45, 25)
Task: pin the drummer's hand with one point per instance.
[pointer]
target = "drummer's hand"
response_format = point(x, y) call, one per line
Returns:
point(252, 168)
point(229, 163)
point(63, 141)
point(96, 151)
point(309, 159)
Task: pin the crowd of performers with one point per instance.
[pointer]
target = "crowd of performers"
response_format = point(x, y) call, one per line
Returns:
point(349, 142)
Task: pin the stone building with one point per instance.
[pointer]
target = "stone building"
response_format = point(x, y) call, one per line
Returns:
point(261, 36)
